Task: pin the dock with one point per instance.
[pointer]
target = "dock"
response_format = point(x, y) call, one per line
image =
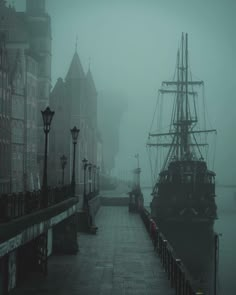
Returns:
point(118, 260)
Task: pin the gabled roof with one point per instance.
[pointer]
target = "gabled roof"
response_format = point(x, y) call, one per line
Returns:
point(76, 70)
point(90, 83)
point(59, 88)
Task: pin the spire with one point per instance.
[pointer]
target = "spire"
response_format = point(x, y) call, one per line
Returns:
point(76, 70)
point(90, 82)
point(58, 89)
point(76, 43)
point(35, 7)
point(89, 63)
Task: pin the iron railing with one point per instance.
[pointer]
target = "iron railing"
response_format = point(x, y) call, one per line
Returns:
point(177, 274)
point(16, 205)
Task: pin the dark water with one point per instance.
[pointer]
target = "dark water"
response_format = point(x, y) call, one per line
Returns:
point(226, 226)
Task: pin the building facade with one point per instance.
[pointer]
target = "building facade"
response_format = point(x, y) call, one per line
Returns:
point(40, 40)
point(5, 118)
point(28, 45)
point(75, 103)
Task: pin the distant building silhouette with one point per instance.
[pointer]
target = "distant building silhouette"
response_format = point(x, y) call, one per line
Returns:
point(75, 103)
point(110, 110)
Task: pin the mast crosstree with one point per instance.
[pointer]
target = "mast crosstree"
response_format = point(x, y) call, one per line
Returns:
point(182, 141)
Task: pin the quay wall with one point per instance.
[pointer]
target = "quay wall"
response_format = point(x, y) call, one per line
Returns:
point(114, 201)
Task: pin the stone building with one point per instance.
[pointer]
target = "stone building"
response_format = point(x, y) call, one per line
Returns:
point(74, 101)
point(28, 45)
point(5, 114)
point(18, 122)
point(40, 39)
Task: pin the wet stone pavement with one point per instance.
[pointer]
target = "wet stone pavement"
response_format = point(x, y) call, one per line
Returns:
point(118, 260)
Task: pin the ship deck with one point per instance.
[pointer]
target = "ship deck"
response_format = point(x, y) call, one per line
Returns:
point(118, 260)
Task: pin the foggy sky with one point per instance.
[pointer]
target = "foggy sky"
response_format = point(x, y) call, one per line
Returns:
point(133, 45)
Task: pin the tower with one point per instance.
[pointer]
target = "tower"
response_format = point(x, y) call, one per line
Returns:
point(39, 24)
point(35, 7)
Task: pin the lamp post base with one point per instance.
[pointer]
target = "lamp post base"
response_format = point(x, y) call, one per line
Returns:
point(85, 222)
point(65, 239)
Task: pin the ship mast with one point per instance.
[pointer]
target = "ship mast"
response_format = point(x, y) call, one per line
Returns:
point(182, 127)
point(185, 122)
point(178, 113)
point(181, 145)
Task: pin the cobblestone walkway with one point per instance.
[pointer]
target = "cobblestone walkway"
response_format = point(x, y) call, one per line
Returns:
point(118, 260)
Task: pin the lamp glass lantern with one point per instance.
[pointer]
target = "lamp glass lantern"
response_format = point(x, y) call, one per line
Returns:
point(75, 133)
point(47, 115)
point(85, 161)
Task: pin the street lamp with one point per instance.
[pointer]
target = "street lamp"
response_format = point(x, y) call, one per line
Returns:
point(94, 178)
point(138, 170)
point(74, 133)
point(63, 165)
point(47, 115)
point(98, 179)
point(85, 164)
point(90, 177)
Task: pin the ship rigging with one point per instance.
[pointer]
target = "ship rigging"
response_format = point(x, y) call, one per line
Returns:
point(185, 187)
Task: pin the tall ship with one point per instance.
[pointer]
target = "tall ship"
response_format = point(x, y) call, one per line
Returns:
point(183, 195)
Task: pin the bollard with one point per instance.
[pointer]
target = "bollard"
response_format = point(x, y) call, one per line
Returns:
point(165, 254)
point(160, 245)
point(161, 249)
point(157, 239)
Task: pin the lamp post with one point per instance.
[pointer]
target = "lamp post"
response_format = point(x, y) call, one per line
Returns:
point(74, 133)
point(47, 115)
point(137, 157)
point(90, 177)
point(94, 178)
point(63, 165)
point(85, 165)
point(138, 171)
point(98, 179)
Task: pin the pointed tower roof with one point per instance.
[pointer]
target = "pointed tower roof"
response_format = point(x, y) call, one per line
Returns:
point(59, 87)
point(90, 82)
point(76, 70)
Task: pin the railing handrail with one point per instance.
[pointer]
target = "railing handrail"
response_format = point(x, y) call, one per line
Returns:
point(16, 205)
point(166, 252)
